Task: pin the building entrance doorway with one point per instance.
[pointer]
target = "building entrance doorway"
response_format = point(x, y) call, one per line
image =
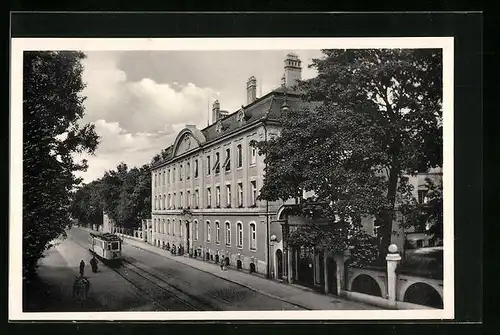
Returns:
point(188, 236)
point(306, 267)
point(332, 275)
point(279, 264)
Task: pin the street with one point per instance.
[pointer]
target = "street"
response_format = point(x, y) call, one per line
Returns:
point(146, 281)
point(149, 281)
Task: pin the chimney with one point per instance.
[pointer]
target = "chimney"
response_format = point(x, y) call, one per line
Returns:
point(215, 111)
point(293, 71)
point(251, 90)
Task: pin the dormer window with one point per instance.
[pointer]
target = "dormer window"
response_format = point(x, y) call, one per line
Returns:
point(218, 127)
point(240, 117)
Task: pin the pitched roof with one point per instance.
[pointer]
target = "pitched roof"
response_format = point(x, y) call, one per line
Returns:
point(266, 107)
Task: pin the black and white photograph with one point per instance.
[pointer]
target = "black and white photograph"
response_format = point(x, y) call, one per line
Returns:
point(224, 178)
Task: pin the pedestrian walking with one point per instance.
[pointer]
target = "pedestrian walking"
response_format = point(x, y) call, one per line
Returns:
point(82, 267)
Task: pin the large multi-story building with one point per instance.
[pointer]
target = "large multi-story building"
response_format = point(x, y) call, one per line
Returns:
point(205, 189)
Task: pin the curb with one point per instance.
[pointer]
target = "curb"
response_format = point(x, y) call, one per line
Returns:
point(229, 280)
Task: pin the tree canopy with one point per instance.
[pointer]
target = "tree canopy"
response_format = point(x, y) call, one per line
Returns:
point(124, 194)
point(52, 110)
point(367, 121)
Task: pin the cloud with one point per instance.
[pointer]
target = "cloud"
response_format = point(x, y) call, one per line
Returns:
point(139, 101)
point(118, 145)
point(138, 106)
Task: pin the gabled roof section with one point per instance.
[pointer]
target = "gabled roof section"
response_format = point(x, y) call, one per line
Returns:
point(267, 107)
point(190, 131)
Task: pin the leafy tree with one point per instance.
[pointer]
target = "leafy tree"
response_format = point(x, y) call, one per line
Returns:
point(370, 118)
point(426, 216)
point(52, 109)
point(86, 204)
point(125, 195)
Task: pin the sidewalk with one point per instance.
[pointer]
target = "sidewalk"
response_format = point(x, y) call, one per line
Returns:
point(290, 293)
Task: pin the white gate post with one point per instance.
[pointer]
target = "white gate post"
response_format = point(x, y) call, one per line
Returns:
point(392, 259)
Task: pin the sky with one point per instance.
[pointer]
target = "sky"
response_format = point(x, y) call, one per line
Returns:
point(139, 100)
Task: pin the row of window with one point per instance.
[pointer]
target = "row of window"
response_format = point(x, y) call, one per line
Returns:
point(171, 201)
point(168, 227)
point(168, 176)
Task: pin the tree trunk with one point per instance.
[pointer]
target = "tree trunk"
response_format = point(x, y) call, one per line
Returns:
point(387, 215)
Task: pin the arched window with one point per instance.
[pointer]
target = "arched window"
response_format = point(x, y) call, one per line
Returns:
point(196, 168)
point(209, 231)
point(188, 171)
point(180, 228)
point(253, 236)
point(217, 232)
point(228, 233)
point(169, 227)
point(240, 156)
point(196, 230)
point(164, 201)
point(239, 229)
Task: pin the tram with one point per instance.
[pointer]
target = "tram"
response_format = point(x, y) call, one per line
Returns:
point(107, 247)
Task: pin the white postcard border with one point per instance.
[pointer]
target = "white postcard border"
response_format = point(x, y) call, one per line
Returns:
point(19, 45)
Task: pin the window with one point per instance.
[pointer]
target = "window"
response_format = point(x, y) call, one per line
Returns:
point(154, 205)
point(173, 176)
point(196, 168)
point(209, 232)
point(228, 195)
point(161, 226)
point(217, 232)
point(239, 156)
point(180, 173)
point(422, 196)
point(254, 192)
point(253, 236)
point(228, 233)
point(188, 171)
point(217, 163)
point(227, 162)
point(240, 194)
point(208, 166)
point(174, 201)
point(169, 201)
point(169, 227)
point(196, 198)
point(154, 226)
point(196, 230)
point(168, 176)
point(164, 202)
point(217, 196)
point(240, 234)
point(188, 198)
point(209, 197)
point(180, 228)
point(181, 200)
point(253, 155)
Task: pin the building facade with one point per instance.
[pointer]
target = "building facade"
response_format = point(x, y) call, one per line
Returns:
point(204, 192)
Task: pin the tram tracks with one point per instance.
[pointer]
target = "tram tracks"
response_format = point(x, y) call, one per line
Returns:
point(205, 298)
point(159, 292)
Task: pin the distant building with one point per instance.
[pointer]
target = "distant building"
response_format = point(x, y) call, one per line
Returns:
point(204, 191)
point(108, 225)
